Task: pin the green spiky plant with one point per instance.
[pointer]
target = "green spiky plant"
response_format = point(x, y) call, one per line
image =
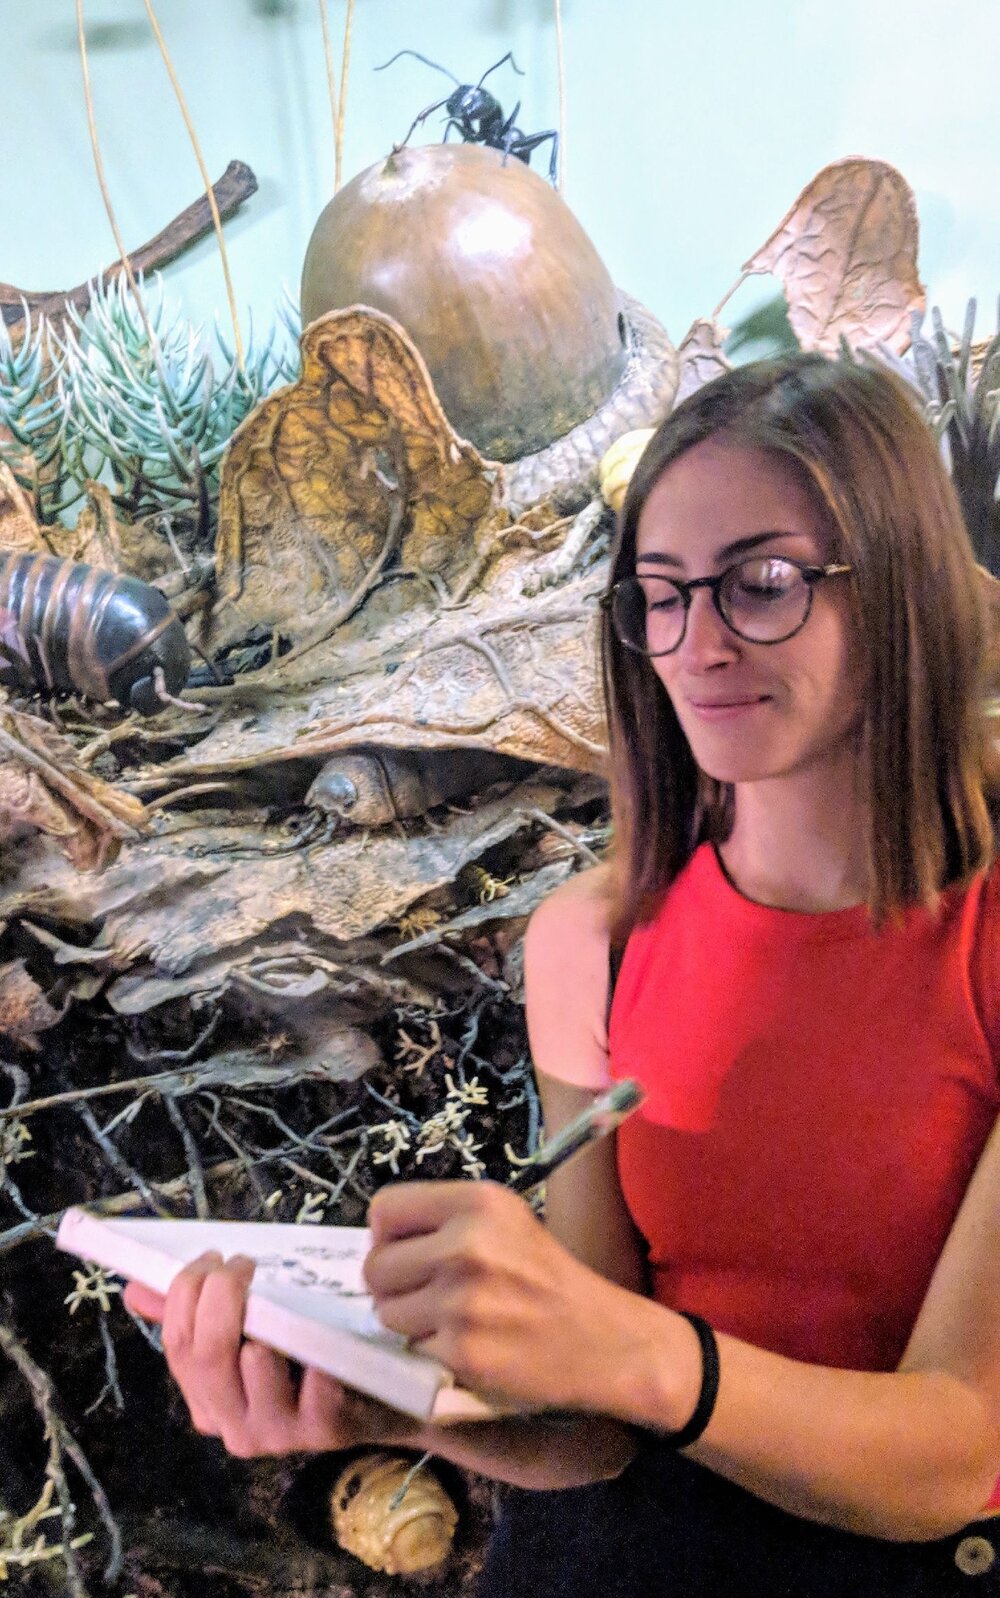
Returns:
point(959, 385)
point(146, 405)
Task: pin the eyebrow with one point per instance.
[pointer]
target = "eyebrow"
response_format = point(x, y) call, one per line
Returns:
point(740, 546)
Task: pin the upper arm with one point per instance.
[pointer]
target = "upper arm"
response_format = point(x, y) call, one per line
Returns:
point(566, 992)
point(958, 1328)
point(566, 981)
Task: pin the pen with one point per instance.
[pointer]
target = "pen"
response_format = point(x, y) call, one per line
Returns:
point(603, 1116)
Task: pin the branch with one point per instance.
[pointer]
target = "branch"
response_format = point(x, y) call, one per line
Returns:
point(235, 186)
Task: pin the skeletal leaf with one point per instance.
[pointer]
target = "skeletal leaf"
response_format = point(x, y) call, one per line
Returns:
point(500, 674)
point(846, 256)
point(701, 356)
point(318, 476)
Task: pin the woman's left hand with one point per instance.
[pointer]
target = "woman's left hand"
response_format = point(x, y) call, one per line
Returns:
point(466, 1271)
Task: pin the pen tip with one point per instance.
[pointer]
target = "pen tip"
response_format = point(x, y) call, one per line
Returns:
point(625, 1095)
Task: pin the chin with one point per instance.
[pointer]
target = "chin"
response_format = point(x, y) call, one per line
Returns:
point(738, 765)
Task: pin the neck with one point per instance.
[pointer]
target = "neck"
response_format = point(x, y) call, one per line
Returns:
point(798, 841)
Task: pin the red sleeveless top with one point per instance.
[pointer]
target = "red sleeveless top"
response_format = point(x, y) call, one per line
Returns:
point(818, 1096)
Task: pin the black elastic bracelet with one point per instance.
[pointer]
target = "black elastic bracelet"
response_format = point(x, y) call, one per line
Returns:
point(709, 1386)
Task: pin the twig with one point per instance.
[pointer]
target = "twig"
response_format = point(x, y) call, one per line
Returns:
point(61, 1441)
point(111, 1382)
point(127, 1203)
point(235, 186)
point(117, 1161)
point(196, 1170)
point(581, 849)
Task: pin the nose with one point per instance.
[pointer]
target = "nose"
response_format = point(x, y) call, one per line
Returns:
point(707, 640)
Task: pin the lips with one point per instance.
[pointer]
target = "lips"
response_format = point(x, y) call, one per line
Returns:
point(727, 704)
point(724, 709)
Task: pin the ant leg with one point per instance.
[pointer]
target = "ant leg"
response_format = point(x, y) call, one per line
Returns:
point(523, 145)
point(422, 117)
point(509, 135)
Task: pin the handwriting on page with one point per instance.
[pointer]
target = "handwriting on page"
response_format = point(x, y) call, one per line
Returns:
point(322, 1267)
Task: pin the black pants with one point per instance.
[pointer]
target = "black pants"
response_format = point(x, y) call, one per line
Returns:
point(667, 1528)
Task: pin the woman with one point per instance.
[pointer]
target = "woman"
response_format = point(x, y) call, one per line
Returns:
point(787, 1267)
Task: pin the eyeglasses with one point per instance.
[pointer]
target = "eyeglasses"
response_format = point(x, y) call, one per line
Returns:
point(764, 601)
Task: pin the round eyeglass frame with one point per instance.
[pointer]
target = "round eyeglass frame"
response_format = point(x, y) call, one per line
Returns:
point(686, 587)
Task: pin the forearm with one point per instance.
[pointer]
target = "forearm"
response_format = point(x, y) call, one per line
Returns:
point(903, 1455)
point(533, 1452)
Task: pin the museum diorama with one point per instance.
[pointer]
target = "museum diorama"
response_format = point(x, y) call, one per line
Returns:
point(301, 720)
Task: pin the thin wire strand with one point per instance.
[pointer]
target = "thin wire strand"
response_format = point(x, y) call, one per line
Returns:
point(331, 80)
point(105, 194)
point(209, 191)
point(560, 57)
point(345, 62)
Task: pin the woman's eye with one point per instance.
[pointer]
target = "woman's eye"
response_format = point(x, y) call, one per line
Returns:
point(662, 604)
point(766, 580)
point(763, 590)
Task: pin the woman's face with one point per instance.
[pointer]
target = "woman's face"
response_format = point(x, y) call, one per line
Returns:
point(750, 711)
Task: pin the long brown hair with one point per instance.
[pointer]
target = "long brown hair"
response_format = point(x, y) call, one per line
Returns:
point(859, 444)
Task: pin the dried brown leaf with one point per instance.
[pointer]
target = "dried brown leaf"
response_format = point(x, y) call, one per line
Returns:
point(19, 531)
point(846, 256)
point(701, 356)
point(520, 679)
point(24, 1009)
point(43, 786)
point(313, 479)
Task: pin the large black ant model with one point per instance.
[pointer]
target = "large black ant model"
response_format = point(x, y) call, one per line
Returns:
point(478, 115)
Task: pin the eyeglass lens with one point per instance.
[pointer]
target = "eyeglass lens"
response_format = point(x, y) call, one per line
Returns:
point(761, 600)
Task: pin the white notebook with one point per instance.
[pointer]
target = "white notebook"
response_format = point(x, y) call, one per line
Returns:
point(307, 1300)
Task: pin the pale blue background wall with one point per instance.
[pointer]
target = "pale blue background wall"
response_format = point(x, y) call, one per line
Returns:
point(691, 127)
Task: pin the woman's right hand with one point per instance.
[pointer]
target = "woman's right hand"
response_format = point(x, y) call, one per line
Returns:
point(241, 1391)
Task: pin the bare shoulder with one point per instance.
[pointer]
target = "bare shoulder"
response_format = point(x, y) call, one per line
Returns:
point(572, 923)
point(566, 980)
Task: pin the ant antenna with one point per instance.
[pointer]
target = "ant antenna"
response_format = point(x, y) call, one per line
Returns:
point(504, 58)
point(423, 58)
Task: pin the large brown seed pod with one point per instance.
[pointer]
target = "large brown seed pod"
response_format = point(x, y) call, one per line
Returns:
point(414, 1534)
point(493, 278)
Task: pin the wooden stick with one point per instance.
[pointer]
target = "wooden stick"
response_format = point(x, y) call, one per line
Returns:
point(235, 186)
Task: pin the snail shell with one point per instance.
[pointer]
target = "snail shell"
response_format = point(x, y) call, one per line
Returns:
point(415, 1535)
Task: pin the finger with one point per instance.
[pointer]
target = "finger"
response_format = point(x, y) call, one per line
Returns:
point(202, 1331)
point(401, 1266)
point(407, 1209)
point(414, 1316)
point(269, 1423)
point(332, 1416)
point(180, 1305)
point(143, 1301)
